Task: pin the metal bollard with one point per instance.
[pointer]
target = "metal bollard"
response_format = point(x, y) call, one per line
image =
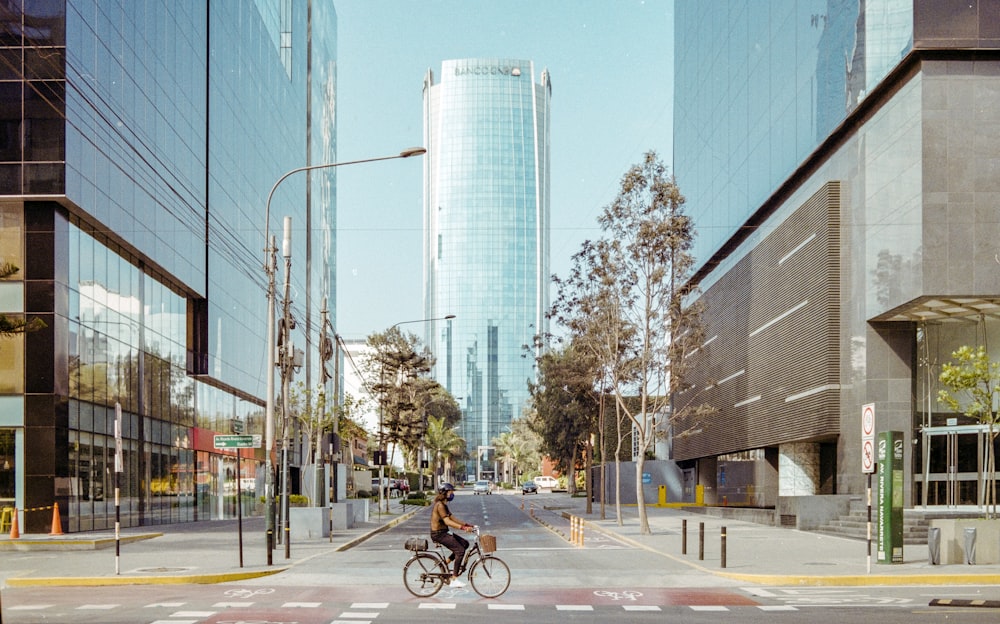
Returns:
point(684, 537)
point(701, 541)
point(723, 547)
point(970, 546)
point(934, 545)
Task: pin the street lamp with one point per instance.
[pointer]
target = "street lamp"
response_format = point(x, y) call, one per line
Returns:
point(381, 467)
point(270, 265)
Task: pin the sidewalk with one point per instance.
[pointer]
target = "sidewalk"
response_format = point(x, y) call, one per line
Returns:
point(757, 553)
point(202, 552)
point(209, 552)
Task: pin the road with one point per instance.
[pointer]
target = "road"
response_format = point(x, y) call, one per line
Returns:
point(553, 581)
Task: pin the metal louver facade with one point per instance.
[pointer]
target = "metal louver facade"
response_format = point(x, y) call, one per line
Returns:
point(770, 365)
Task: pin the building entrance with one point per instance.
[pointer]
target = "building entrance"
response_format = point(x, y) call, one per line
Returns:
point(953, 458)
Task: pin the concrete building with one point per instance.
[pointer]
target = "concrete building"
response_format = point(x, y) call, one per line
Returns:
point(840, 159)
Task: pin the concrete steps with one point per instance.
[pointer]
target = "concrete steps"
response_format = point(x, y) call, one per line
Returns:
point(916, 523)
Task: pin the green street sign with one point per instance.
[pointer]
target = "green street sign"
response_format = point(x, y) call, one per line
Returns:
point(237, 441)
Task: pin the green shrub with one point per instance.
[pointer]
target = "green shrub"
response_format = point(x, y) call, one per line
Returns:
point(416, 502)
point(363, 494)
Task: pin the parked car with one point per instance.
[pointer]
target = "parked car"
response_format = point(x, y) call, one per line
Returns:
point(546, 482)
point(529, 487)
point(482, 487)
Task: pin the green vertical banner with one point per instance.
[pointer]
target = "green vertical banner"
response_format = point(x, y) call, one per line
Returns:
point(890, 497)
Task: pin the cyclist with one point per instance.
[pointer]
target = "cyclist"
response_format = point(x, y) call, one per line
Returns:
point(441, 519)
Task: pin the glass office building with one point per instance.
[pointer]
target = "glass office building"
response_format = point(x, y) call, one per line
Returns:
point(839, 158)
point(486, 237)
point(139, 143)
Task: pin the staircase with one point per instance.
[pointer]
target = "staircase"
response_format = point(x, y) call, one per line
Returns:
point(855, 524)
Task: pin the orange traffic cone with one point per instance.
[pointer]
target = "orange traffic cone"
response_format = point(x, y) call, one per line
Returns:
point(15, 533)
point(56, 522)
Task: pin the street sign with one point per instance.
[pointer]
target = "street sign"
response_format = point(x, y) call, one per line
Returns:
point(868, 438)
point(237, 441)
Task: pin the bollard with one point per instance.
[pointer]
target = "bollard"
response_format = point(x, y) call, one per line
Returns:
point(934, 545)
point(701, 541)
point(970, 546)
point(572, 530)
point(684, 537)
point(723, 547)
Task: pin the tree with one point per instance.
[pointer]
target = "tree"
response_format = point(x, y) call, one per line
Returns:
point(444, 445)
point(626, 299)
point(973, 389)
point(517, 449)
point(398, 363)
point(564, 405)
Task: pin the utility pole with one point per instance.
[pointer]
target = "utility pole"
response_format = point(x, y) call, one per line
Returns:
point(287, 361)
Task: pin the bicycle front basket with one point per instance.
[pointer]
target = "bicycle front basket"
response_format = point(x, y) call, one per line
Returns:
point(416, 544)
point(488, 543)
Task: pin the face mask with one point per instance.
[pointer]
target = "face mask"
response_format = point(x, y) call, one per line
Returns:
point(451, 496)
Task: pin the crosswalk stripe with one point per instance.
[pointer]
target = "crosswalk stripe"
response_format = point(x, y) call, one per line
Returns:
point(708, 608)
point(574, 608)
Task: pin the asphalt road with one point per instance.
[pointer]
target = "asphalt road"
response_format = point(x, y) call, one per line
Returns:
point(552, 581)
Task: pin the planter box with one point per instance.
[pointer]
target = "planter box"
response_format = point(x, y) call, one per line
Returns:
point(953, 539)
point(308, 522)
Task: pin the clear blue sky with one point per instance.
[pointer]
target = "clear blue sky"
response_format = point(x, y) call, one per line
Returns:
point(611, 63)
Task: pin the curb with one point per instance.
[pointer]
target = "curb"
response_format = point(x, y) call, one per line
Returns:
point(29, 544)
point(385, 527)
point(101, 581)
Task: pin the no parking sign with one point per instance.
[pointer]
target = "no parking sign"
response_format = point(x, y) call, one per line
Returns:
point(868, 438)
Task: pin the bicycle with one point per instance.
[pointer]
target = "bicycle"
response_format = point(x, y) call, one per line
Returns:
point(427, 571)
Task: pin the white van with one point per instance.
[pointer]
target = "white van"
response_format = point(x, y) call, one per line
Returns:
point(546, 482)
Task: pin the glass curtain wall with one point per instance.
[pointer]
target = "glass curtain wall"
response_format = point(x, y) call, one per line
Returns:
point(127, 347)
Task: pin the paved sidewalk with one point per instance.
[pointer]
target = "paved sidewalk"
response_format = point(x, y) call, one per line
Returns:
point(199, 552)
point(757, 553)
point(208, 552)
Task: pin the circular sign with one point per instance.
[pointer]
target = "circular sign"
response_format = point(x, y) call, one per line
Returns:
point(868, 420)
point(868, 456)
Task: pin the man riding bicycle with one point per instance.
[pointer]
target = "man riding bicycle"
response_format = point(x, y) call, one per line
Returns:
point(441, 520)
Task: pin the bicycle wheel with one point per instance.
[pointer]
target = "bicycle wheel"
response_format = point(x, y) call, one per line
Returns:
point(422, 575)
point(490, 577)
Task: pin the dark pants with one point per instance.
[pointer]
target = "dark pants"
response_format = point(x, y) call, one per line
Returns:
point(455, 543)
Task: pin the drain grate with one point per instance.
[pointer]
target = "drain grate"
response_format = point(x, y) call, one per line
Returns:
point(162, 569)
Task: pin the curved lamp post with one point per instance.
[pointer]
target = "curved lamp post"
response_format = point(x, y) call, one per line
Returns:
point(269, 268)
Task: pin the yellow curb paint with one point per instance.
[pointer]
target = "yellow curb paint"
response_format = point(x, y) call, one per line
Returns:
point(98, 581)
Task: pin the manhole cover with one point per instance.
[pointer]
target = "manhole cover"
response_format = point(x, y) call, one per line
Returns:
point(161, 569)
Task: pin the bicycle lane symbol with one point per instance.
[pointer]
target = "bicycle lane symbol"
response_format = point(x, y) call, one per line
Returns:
point(618, 596)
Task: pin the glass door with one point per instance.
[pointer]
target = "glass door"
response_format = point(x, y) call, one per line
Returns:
point(953, 460)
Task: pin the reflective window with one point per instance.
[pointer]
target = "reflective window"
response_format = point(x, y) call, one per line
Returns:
point(760, 85)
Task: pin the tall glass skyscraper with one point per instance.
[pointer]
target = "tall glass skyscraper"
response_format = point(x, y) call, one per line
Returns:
point(486, 237)
point(138, 143)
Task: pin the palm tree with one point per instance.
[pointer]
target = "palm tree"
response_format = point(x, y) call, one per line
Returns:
point(442, 442)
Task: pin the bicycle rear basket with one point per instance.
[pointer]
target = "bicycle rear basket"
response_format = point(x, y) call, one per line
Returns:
point(416, 544)
point(488, 543)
